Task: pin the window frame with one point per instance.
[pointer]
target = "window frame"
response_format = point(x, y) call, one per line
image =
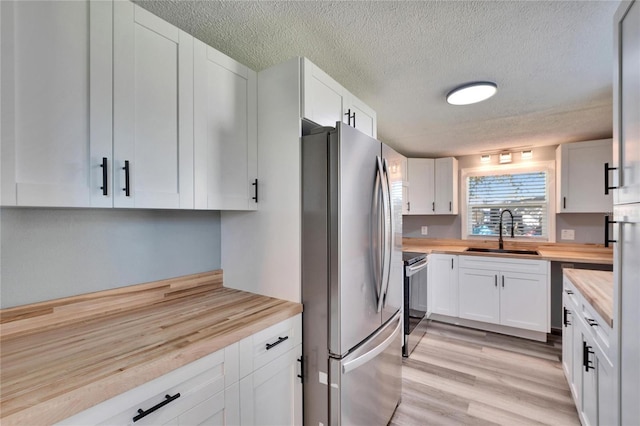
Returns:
point(491, 170)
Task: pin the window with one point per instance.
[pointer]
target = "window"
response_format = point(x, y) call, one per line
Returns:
point(525, 192)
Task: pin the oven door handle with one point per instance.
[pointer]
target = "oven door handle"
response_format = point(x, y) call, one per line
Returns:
point(413, 269)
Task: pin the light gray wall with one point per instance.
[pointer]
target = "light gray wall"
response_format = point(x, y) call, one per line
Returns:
point(588, 227)
point(52, 253)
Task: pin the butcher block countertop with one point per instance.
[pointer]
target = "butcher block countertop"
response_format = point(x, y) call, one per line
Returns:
point(597, 289)
point(557, 252)
point(63, 356)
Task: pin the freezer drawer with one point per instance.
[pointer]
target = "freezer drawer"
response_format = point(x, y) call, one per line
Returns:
point(366, 384)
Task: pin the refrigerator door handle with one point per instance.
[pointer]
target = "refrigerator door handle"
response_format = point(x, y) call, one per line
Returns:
point(368, 356)
point(385, 245)
point(376, 248)
point(389, 234)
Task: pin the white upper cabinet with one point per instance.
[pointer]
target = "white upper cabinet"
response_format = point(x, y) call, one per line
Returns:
point(56, 103)
point(325, 101)
point(626, 104)
point(432, 186)
point(446, 186)
point(226, 143)
point(421, 196)
point(153, 111)
point(580, 171)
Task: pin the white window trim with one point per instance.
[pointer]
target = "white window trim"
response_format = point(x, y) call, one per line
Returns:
point(548, 166)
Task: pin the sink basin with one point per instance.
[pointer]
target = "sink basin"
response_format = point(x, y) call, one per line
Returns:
point(488, 250)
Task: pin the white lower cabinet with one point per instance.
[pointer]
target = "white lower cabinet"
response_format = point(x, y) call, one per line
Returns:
point(586, 360)
point(235, 385)
point(272, 395)
point(443, 281)
point(491, 291)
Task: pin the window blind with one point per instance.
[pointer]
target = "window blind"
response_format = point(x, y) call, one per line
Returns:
point(524, 194)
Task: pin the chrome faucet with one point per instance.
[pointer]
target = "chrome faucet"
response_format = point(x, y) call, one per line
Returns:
point(500, 240)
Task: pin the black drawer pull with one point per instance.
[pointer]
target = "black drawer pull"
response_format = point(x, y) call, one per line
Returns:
point(126, 188)
point(565, 319)
point(348, 114)
point(105, 191)
point(592, 322)
point(255, 183)
point(568, 291)
point(586, 351)
point(276, 343)
point(606, 178)
point(168, 399)
point(607, 240)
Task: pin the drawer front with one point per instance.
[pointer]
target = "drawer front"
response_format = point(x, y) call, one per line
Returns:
point(195, 382)
point(570, 293)
point(266, 345)
point(525, 266)
point(597, 329)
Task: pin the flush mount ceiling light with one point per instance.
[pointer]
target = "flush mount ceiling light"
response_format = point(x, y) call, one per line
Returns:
point(471, 93)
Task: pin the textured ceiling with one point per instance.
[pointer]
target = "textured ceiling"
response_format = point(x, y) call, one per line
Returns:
point(552, 61)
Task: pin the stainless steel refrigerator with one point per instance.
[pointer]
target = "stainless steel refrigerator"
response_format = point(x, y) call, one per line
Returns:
point(351, 278)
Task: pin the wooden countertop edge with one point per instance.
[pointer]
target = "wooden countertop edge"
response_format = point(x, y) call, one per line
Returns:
point(71, 402)
point(590, 289)
point(556, 252)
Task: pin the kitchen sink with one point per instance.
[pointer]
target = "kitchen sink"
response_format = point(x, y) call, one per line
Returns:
point(505, 251)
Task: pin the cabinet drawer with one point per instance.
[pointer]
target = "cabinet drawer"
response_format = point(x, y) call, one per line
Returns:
point(570, 294)
point(526, 266)
point(195, 382)
point(597, 328)
point(266, 345)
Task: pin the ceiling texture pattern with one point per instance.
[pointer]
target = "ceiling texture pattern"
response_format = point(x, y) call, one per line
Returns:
point(552, 61)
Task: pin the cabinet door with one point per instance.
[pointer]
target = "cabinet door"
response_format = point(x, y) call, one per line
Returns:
point(421, 172)
point(524, 301)
point(323, 98)
point(479, 295)
point(226, 147)
point(607, 407)
point(589, 406)
point(222, 409)
point(626, 104)
point(577, 367)
point(363, 117)
point(153, 111)
point(567, 342)
point(272, 395)
point(443, 281)
point(56, 103)
point(446, 186)
point(581, 187)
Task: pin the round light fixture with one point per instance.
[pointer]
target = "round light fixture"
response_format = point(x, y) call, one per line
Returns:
point(471, 93)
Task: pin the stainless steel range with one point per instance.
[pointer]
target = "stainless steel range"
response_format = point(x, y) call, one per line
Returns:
point(415, 299)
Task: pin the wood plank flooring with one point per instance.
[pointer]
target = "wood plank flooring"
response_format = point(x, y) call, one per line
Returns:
point(461, 376)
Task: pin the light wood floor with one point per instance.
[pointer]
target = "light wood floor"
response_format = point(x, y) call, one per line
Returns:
point(460, 376)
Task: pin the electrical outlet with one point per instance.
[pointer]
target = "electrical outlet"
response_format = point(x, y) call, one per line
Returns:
point(425, 230)
point(568, 234)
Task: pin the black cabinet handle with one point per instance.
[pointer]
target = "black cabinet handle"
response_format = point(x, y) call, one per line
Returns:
point(105, 192)
point(565, 313)
point(503, 281)
point(409, 206)
point(592, 322)
point(450, 205)
point(568, 291)
point(126, 188)
point(255, 183)
point(495, 280)
point(564, 202)
point(452, 263)
point(607, 222)
point(433, 206)
point(301, 370)
point(586, 363)
point(277, 342)
point(142, 413)
point(606, 178)
point(348, 114)
point(354, 119)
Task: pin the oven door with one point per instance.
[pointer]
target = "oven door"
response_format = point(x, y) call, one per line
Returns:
point(416, 301)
